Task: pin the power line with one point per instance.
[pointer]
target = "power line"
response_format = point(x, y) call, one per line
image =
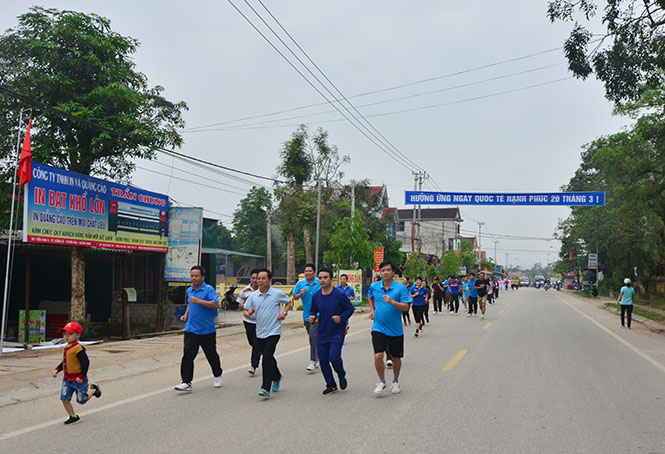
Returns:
point(394, 87)
point(198, 183)
point(354, 124)
point(35, 102)
point(414, 109)
point(376, 103)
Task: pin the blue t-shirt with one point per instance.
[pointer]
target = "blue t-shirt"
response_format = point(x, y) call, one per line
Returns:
point(473, 292)
point(334, 303)
point(453, 287)
point(627, 297)
point(201, 319)
point(267, 307)
point(348, 291)
point(388, 318)
point(466, 287)
point(418, 295)
point(310, 289)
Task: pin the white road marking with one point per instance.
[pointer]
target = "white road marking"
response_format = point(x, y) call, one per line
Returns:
point(29, 429)
point(655, 363)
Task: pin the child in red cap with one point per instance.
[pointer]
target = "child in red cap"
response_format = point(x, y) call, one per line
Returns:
point(75, 365)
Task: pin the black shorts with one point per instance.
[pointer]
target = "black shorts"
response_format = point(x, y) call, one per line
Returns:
point(395, 344)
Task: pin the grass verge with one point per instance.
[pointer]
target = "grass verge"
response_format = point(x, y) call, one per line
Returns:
point(642, 313)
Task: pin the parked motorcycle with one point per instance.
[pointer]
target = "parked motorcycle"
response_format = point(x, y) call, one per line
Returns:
point(547, 286)
point(230, 300)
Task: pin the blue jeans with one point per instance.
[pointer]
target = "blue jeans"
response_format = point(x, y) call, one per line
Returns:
point(330, 352)
point(70, 387)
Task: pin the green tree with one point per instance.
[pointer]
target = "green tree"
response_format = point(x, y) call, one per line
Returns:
point(224, 237)
point(467, 254)
point(250, 222)
point(633, 57)
point(349, 245)
point(450, 265)
point(78, 64)
point(414, 267)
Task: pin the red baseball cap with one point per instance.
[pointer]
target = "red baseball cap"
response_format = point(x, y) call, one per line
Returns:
point(72, 327)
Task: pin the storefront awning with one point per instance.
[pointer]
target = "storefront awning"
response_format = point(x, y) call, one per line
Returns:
point(211, 250)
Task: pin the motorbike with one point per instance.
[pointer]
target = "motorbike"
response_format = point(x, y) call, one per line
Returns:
point(547, 286)
point(231, 300)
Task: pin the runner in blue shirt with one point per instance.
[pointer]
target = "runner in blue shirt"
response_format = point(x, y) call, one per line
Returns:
point(333, 309)
point(387, 298)
point(348, 291)
point(304, 290)
point(626, 301)
point(473, 296)
point(454, 290)
point(200, 329)
point(418, 293)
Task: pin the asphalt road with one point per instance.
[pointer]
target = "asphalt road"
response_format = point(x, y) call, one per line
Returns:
point(542, 373)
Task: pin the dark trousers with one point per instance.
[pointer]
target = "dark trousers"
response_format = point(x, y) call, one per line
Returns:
point(454, 303)
point(626, 308)
point(426, 312)
point(330, 353)
point(473, 305)
point(250, 330)
point(406, 316)
point(208, 342)
point(311, 332)
point(270, 370)
point(438, 301)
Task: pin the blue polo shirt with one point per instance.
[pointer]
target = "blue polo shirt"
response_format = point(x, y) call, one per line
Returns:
point(388, 318)
point(466, 287)
point(418, 295)
point(627, 297)
point(267, 307)
point(201, 319)
point(310, 289)
point(348, 291)
point(334, 303)
point(473, 292)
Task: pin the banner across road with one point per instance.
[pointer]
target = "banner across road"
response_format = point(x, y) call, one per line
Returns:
point(508, 198)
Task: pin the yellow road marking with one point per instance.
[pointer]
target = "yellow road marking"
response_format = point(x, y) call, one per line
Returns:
point(501, 311)
point(508, 304)
point(453, 362)
point(487, 325)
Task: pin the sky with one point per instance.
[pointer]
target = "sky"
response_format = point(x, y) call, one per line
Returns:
point(517, 126)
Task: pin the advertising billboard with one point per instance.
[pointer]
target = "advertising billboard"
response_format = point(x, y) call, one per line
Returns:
point(71, 209)
point(355, 280)
point(185, 227)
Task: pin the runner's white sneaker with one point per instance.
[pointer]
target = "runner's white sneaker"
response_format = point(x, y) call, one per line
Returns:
point(218, 382)
point(316, 364)
point(379, 388)
point(312, 366)
point(482, 317)
point(395, 389)
point(389, 363)
point(251, 371)
point(187, 387)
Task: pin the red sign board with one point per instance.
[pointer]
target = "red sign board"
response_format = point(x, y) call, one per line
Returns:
point(378, 257)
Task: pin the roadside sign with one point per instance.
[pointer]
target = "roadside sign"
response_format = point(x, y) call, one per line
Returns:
point(378, 257)
point(593, 262)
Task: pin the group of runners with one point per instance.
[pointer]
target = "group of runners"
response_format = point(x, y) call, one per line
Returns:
point(326, 310)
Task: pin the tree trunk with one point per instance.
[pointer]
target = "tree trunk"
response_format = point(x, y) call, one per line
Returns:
point(290, 258)
point(77, 309)
point(307, 235)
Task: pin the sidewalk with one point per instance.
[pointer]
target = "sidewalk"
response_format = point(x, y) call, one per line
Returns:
point(600, 302)
point(26, 375)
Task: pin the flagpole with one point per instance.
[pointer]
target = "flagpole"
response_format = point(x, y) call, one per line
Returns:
point(9, 240)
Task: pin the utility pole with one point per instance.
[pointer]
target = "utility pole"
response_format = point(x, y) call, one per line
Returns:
point(413, 223)
point(480, 225)
point(353, 198)
point(421, 176)
point(318, 224)
point(496, 260)
point(268, 240)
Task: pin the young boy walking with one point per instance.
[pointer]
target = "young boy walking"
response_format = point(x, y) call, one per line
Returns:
point(75, 366)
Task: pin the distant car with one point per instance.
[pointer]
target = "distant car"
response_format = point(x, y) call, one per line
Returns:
point(524, 281)
point(538, 281)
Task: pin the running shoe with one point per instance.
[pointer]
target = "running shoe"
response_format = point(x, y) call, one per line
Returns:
point(264, 393)
point(187, 387)
point(251, 370)
point(389, 363)
point(312, 366)
point(343, 383)
point(468, 315)
point(329, 390)
point(380, 387)
point(316, 364)
point(395, 389)
point(482, 316)
point(96, 390)
point(72, 419)
point(218, 382)
point(416, 333)
point(275, 384)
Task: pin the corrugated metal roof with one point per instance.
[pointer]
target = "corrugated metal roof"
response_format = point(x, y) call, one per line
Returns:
point(212, 250)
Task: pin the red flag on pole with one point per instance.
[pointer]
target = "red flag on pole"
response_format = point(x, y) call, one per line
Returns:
point(25, 160)
point(570, 255)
